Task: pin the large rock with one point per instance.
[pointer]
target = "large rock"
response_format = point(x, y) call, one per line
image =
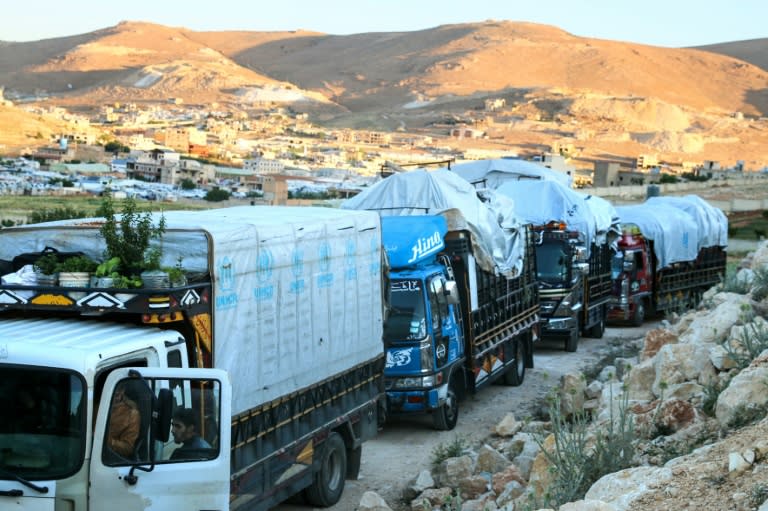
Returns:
point(654, 340)
point(587, 505)
point(491, 460)
point(678, 363)
point(746, 393)
point(508, 426)
point(572, 389)
point(453, 470)
point(621, 488)
point(712, 326)
point(640, 381)
point(421, 482)
point(372, 501)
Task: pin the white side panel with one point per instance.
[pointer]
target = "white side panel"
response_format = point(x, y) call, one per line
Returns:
point(297, 301)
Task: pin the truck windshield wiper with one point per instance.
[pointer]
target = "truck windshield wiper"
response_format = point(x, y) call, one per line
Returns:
point(19, 479)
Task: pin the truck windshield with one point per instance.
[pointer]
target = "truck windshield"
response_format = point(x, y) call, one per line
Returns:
point(552, 262)
point(42, 432)
point(406, 320)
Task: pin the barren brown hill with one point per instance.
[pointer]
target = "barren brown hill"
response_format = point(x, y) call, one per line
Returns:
point(754, 51)
point(606, 98)
point(388, 70)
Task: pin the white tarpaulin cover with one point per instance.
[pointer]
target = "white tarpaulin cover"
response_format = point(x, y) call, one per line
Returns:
point(499, 171)
point(297, 291)
point(541, 202)
point(496, 236)
point(673, 231)
point(712, 222)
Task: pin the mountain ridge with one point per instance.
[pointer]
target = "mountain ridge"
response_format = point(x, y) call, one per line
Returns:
point(386, 80)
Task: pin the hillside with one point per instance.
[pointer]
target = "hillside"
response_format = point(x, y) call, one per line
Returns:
point(605, 97)
point(754, 51)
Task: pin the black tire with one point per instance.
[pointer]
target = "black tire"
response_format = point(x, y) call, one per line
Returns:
point(572, 342)
point(515, 372)
point(638, 316)
point(328, 482)
point(597, 330)
point(446, 417)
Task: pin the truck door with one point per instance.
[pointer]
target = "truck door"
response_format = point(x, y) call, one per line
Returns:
point(156, 472)
point(445, 329)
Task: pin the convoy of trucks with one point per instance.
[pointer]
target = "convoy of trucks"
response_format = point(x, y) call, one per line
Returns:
point(458, 320)
point(574, 236)
point(301, 330)
point(671, 251)
point(275, 344)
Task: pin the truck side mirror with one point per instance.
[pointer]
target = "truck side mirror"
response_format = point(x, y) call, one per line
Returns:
point(451, 291)
point(162, 415)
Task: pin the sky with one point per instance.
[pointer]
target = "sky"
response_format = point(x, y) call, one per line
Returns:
point(669, 23)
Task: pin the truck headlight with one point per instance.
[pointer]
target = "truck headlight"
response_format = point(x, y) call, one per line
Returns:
point(414, 382)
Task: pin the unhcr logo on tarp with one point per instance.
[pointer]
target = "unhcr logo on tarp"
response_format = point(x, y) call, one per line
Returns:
point(227, 298)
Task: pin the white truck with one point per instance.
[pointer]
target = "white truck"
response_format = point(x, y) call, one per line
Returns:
point(275, 344)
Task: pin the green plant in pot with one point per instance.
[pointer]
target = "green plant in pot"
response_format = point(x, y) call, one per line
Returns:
point(76, 271)
point(46, 268)
point(107, 272)
point(176, 274)
point(128, 235)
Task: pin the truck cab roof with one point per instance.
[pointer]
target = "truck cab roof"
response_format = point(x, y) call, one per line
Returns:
point(75, 343)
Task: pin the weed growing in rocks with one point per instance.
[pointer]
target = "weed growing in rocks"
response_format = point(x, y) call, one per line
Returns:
point(452, 449)
point(750, 345)
point(579, 456)
point(760, 284)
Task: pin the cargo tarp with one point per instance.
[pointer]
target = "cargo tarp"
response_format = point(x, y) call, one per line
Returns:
point(674, 232)
point(496, 239)
point(493, 173)
point(297, 292)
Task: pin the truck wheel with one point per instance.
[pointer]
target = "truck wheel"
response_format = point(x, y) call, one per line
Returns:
point(446, 417)
point(572, 342)
point(328, 482)
point(639, 315)
point(597, 330)
point(515, 372)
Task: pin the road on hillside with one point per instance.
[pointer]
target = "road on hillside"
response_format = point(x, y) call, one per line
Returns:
point(404, 448)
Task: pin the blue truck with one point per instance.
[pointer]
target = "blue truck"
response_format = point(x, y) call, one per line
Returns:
point(452, 327)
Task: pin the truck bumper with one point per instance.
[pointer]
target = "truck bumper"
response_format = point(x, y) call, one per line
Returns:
point(619, 311)
point(557, 327)
point(416, 401)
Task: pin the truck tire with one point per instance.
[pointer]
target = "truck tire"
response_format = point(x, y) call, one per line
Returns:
point(515, 372)
point(446, 417)
point(328, 482)
point(638, 316)
point(597, 330)
point(572, 342)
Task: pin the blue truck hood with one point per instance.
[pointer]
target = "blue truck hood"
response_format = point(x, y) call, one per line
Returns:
point(409, 240)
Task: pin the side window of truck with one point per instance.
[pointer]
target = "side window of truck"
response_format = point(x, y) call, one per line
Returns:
point(437, 301)
point(195, 422)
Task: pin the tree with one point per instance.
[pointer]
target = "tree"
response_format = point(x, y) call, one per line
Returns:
point(216, 195)
point(187, 184)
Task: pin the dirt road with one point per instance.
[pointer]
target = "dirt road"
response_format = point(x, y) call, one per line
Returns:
point(405, 447)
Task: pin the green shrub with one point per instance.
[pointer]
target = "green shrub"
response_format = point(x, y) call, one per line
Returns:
point(752, 341)
point(575, 461)
point(452, 449)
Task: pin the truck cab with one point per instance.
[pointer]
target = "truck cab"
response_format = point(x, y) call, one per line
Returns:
point(423, 337)
point(632, 279)
point(59, 381)
point(562, 272)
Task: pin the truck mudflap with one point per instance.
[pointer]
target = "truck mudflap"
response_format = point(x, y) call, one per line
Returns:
point(267, 467)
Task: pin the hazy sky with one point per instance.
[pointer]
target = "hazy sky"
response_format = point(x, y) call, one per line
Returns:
point(671, 23)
